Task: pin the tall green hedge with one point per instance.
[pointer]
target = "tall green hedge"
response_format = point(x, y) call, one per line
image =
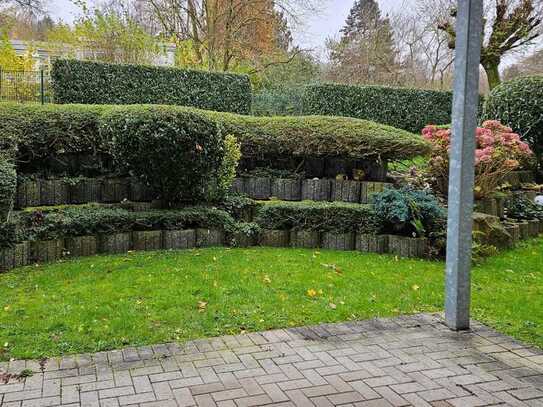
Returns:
point(519, 104)
point(99, 83)
point(403, 108)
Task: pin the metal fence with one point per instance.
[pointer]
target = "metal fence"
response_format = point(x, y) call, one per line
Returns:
point(25, 86)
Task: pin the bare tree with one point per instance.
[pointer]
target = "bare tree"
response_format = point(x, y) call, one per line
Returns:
point(510, 25)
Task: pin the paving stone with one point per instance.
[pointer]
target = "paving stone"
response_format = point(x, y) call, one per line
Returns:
point(406, 361)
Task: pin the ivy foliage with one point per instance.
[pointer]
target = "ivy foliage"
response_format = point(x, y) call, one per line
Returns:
point(519, 105)
point(88, 82)
point(404, 108)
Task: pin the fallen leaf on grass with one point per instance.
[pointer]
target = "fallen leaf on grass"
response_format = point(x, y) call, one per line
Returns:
point(202, 305)
point(311, 293)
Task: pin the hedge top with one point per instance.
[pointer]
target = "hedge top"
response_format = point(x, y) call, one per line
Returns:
point(405, 108)
point(319, 136)
point(89, 82)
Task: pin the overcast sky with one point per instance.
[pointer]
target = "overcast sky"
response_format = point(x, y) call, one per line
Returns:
point(312, 35)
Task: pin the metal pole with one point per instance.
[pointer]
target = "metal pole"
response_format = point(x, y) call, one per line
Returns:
point(462, 163)
point(42, 87)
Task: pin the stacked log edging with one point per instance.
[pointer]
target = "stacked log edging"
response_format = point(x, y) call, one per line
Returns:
point(46, 251)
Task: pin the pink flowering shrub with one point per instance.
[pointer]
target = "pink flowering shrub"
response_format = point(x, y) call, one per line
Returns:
point(499, 151)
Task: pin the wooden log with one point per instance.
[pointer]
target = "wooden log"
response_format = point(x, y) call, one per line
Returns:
point(338, 241)
point(524, 227)
point(540, 226)
point(305, 239)
point(147, 240)
point(533, 225)
point(258, 188)
point(275, 238)
point(139, 192)
point(287, 189)
point(179, 239)
point(28, 194)
point(238, 186)
point(13, 257)
point(368, 243)
point(316, 190)
point(115, 244)
point(53, 192)
point(209, 237)
point(368, 189)
point(407, 247)
point(346, 191)
point(46, 251)
point(85, 191)
point(81, 246)
point(115, 189)
point(491, 206)
point(514, 230)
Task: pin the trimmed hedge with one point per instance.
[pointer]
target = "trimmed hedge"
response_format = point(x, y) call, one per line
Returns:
point(42, 134)
point(319, 136)
point(93, 220)
point(100, 83)
point(177, 152)
point(403, 108)
point(519, 105)
point(317, 216)
point(75, 134)
point(8, 187)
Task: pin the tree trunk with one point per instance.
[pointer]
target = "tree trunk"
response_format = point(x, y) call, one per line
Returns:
point(492, 73)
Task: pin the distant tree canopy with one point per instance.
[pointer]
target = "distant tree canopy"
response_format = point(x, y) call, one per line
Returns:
point(366, 51)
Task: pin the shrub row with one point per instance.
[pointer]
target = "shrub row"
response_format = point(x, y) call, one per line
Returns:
point(93, 220)
point(404, 108)
point(71, 139)
point(317, 216)
point(100, 83)
point(319, 136)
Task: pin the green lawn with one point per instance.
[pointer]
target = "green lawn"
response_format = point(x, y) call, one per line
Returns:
point(101, 303)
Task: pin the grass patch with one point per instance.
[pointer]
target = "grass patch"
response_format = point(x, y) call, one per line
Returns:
point(100, 303)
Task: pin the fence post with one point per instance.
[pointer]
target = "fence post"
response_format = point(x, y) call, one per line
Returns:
point(42, 87)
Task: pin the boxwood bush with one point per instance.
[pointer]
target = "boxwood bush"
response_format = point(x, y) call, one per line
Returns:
point(100, 83)
point(317, 216)
point(403, 108)
point(519, 105)
point(54, 138)
point(175, 151)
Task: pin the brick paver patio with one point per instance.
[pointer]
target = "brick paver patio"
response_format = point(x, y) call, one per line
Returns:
point(407, 361)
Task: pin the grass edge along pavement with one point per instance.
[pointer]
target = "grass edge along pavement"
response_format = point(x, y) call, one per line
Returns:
point(108, 302)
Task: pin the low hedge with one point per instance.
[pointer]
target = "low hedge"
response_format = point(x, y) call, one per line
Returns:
point(404, 108)
point(92, 220)
point(319, 136)
point(317, 216)
point(100, 83)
